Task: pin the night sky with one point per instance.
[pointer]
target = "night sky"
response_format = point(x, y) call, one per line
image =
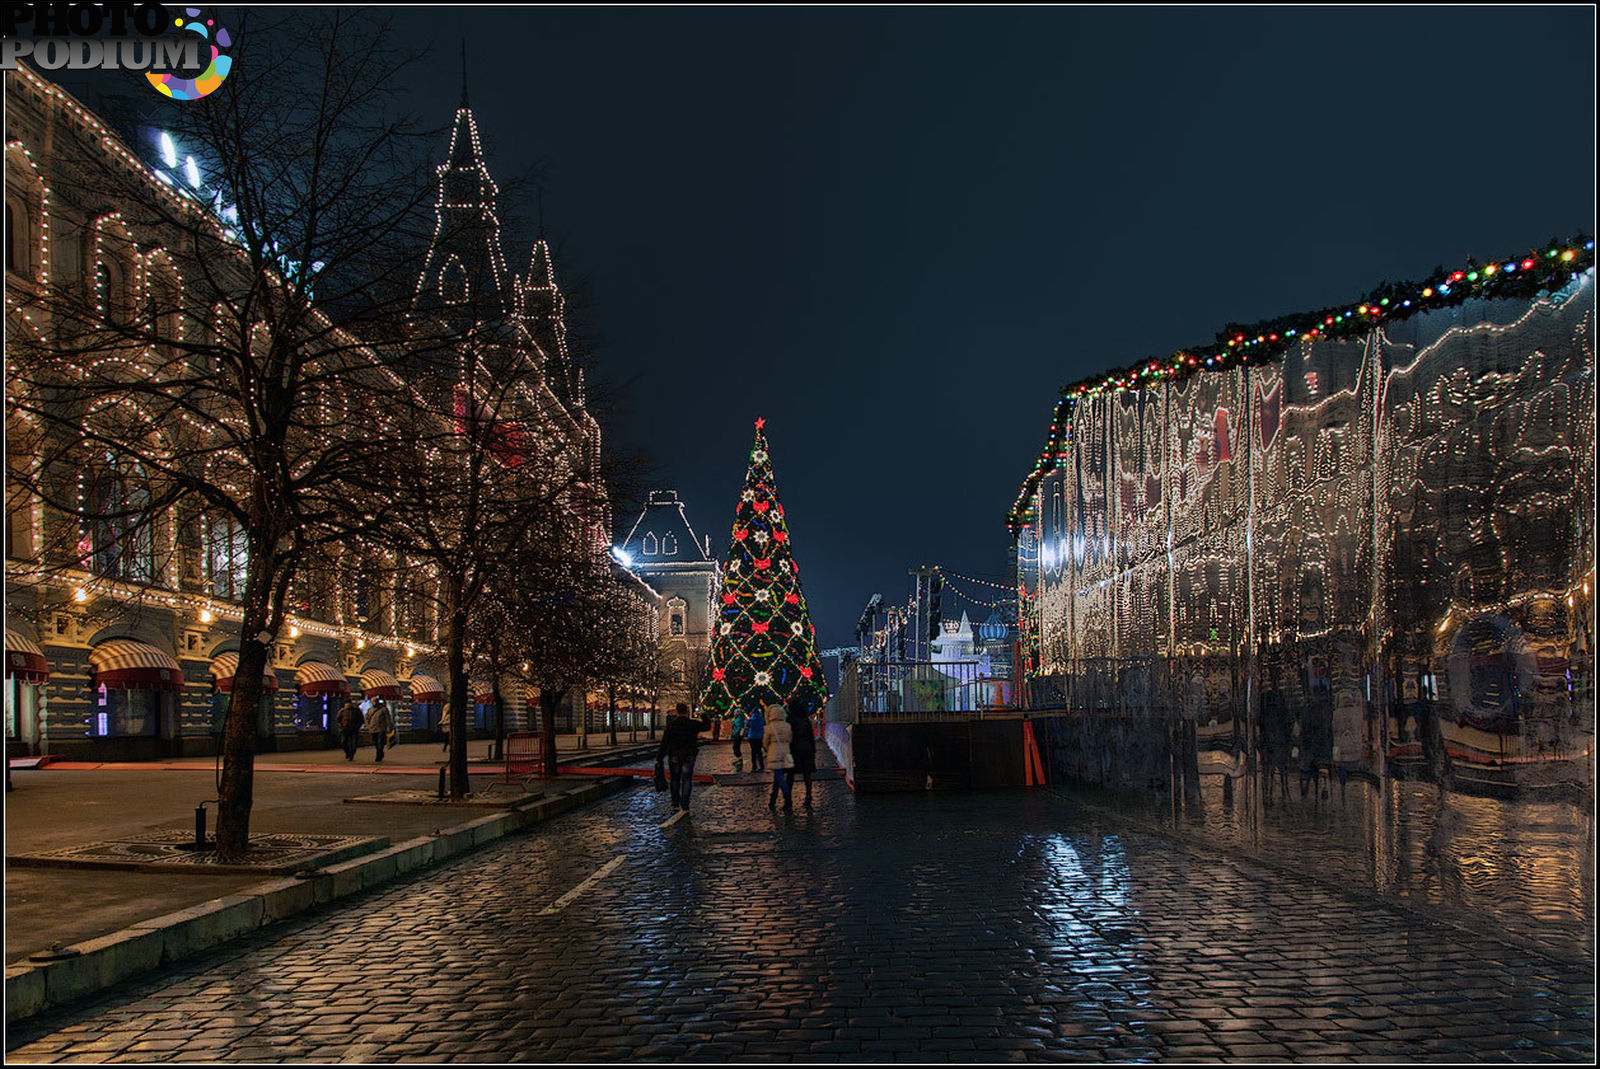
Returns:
point(896, 233)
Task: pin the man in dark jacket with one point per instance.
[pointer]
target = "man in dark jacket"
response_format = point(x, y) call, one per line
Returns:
point(349, 724)
point(804, 744)
point(680, 744)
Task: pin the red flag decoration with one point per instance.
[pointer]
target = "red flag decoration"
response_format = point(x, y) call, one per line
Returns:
point(504, 438)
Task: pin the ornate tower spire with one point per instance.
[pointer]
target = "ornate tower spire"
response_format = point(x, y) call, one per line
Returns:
point(544, 314)
point(465, 263)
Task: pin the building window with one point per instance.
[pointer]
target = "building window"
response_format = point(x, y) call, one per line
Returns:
point(453, 286)
point(669, 545)
point(120, 543)
point(108, 292)
point(228, 552)
point(648, 545)
point(124, 711)
point(677, 623)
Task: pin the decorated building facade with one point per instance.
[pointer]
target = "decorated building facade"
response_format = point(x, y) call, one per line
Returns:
point(121, 644)
point(664, 550)
point(1358, 541)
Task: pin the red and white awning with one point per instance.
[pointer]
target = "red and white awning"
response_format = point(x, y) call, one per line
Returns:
point(482, 693)
point(314, 677)
point(426, 689)
point(226, 665)
point(122, 662)
point(24, 660)
point(376, 684)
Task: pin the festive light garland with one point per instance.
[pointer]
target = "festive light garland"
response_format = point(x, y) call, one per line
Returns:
point(134, 292)
point(763, 646)
point(1539, 270)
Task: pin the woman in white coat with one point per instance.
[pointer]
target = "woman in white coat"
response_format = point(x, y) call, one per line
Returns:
point(776, 743)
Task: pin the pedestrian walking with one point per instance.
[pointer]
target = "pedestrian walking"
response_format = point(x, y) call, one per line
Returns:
point(780, 759)
point(380, 723)
point(394, 721)
point(803, 745)
point(444, 726)
point(348, 720)
point(680, 745)
point(738, 736)
point(755, 726)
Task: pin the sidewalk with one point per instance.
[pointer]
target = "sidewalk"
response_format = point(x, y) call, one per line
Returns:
point(70, 805)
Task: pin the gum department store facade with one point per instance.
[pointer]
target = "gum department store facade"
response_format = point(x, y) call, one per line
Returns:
point(134, 659)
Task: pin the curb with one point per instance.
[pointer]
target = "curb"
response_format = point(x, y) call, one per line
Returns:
point(108, 960)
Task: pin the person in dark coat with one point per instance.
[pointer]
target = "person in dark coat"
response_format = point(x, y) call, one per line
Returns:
point(680, 745)
point(380, 723)
point(348, 721)
point(755, 728)
point(803, 745)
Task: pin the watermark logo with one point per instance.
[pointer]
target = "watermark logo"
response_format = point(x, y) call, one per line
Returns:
point(169, 49)
point(216, 38)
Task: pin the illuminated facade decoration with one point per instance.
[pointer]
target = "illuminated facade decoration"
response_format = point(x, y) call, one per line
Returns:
point(77, 585)
point(662, 548)
point(1374, 551)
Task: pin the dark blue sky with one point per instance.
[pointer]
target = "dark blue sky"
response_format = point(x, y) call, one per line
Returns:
point(895, 233)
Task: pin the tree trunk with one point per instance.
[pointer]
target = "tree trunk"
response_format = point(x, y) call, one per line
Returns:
point(456, 659)
point(549, 698)
point(611, 699)
point(236, 788)
point(499, 722)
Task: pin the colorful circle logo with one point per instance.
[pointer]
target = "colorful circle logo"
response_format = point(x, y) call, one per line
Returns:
point(209, 79)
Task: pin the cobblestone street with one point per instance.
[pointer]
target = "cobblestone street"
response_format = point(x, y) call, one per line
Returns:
point(988, 926)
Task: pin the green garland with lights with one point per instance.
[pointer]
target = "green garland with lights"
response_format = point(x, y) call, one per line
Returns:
point(1538, 271)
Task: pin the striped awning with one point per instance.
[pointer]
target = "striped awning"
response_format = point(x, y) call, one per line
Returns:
point(226, 665)
point(314, 677)
point(482, 693)
point(426, 689)
point(376, 684)
point(24, 660)
point(122, 662)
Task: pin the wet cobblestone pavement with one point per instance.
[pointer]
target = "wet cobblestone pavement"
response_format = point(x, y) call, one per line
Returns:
point(930, 927)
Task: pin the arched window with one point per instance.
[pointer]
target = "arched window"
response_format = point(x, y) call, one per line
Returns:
point(227, 553)
point(669, 545)
point(108, 293)
point(120, 542)
point(648, 544)
point(453, 284)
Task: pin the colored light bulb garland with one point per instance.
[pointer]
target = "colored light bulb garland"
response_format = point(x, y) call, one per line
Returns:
point(1539, 270)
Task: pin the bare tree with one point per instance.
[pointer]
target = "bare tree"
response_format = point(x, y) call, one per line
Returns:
point(243, 372)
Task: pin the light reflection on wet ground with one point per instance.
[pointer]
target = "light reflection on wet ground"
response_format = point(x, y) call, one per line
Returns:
point(1523, 867)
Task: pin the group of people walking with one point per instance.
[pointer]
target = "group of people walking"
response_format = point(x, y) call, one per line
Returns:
point(351, 722)
point(780, 739)
point(784, 742)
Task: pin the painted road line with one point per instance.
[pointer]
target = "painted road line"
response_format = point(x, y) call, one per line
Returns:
point(670, 821)
point(561, 903)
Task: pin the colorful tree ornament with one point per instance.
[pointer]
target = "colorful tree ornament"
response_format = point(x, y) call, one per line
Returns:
point(765, 648)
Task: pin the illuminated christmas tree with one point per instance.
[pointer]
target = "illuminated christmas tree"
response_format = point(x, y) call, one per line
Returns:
point(763, 647)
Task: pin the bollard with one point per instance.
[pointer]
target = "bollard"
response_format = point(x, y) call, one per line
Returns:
point(200, 826)
point(441, 782)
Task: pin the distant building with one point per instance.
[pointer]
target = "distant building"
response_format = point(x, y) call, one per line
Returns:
point(663, 549)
